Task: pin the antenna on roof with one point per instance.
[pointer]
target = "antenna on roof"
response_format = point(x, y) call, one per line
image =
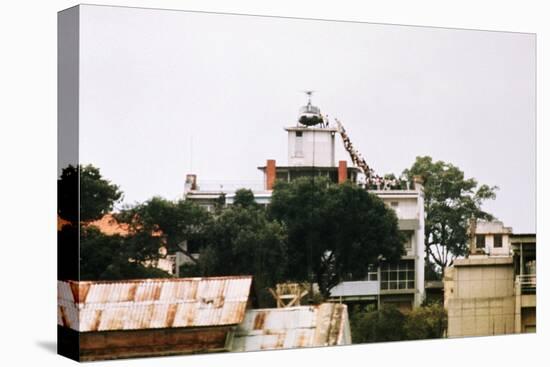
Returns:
point(309, 93)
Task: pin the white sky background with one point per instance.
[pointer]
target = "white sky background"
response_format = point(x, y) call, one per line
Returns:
point(151, 80)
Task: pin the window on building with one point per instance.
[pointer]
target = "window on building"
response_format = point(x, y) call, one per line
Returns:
point(497, 240)
point(480, 241)
point(408, 239)
point(299, 145)
point(397, 276)
point(372, 273)
point(394, 204)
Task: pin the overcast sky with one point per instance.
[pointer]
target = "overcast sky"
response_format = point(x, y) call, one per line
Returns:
point(152, 81)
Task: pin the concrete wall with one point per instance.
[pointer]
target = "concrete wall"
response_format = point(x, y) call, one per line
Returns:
point(317, 147)
point(489, 229)
point(407, 208)
point(480, 298)
point(490, 248)
point(420, 248)
point(411, 206)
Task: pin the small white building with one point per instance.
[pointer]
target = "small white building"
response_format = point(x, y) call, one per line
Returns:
point(493, 290)
point(492, 238)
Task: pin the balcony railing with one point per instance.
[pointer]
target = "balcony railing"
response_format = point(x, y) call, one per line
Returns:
point(230, 186)
point(527, 283)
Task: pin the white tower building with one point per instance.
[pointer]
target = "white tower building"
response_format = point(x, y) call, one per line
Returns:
point(311, 146)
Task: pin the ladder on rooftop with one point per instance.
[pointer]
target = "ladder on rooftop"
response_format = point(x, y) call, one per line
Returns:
point(354, 154)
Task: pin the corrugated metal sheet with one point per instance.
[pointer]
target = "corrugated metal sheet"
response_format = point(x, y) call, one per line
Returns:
point(293, 327)
point(152, 303)
point(356, 288)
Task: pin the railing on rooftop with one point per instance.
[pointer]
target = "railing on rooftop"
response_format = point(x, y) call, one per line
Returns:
point(230, 186)
point(527, 283)
point(381, 184)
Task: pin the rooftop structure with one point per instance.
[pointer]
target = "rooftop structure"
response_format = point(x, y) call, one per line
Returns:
point(492, 291)
point(133, 318)
point(293, 327)
point(150, 317)
point(152, 303)
point(490, 238)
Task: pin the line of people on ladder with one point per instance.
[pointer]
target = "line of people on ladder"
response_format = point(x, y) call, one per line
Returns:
point(372, 181)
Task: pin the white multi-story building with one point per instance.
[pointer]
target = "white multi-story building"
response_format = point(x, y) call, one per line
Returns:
point(401, 284)
point(311, 152)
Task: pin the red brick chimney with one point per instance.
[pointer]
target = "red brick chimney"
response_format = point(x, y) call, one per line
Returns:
point(270, 174)
point(342, 171)
point(190, 182)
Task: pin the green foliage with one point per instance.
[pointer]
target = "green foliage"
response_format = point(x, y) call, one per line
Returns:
point(427, 322)
point(104, 257)
point(97, 195)
point(432, 272)
point(243, 241)
point(389, 324)
point(333, 230)
point(172, 223)
point(244, 198)
point(450, 201)
point(67, 194)
point(381, 325)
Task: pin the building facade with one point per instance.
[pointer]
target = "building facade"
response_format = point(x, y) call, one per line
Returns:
point(401, 284)
point(524, 251)
point(493, 290)
point(311, 153)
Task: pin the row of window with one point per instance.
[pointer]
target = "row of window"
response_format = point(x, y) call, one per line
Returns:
point(394, 276)
point(480, 240)
point(400, 275)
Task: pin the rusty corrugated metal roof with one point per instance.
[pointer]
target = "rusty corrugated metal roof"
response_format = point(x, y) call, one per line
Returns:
point(152, 303)
point(293, 327)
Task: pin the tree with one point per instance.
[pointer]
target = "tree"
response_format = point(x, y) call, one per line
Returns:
point(334, 231)
point(390, 324)
point(426, 322)
point(67, 194)
point(111, 257)
point(450, 201)
point(85, 186)
point(160, 222)
point(152, 225)
point(243, 241)
point(381, 325)
point(84, 194)
point(245, 198)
